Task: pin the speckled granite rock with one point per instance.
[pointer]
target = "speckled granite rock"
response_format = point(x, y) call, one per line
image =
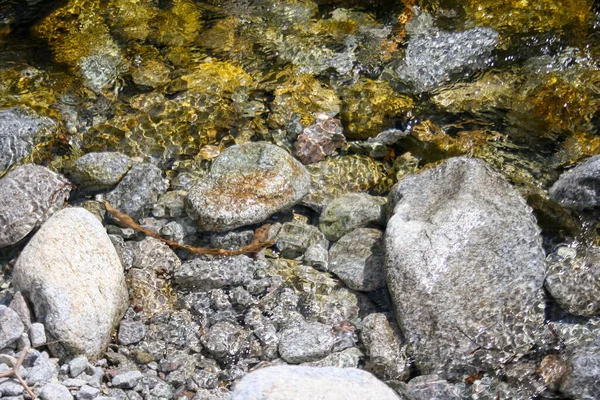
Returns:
point(358, 260)
point(294, 238)
point(350, 211)
point(581, 378)
point(62, 271)
point(386, 355)
point(307, 342)
point(138, 190)
point(300, 383)
point(28, 196)
point(19, 130)
point(98, 171)
point(11, 327)
point(246, 184)
point(579, 187)
point(465, 268)
point(434, 56)
point(573, 279)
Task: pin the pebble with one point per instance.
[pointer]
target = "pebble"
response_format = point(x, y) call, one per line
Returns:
point(351, 211)
point(77, 366)
point(358, 259)
point(578, 188)
point(131, 332)
point(138, 191)
point(55, 391)
point(294, 238)
point(311, 341)
point(11, 327)
point(37, 334)
point(127, 380)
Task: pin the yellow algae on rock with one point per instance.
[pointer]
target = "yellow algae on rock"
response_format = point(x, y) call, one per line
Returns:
point(76, 31)
point(300, 95)
point(216, 77)
point(178, 25)
point(529, 16)
point(488, 94)
point(370, 106)
point(130, 18)
point(347, 174)
point(557, 104)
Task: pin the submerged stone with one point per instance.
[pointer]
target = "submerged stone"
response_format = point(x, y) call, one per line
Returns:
point(98, 171)
point(465, 268)
point(579, 188)
point(246, 184)
point(19, 130)
point(433, 58)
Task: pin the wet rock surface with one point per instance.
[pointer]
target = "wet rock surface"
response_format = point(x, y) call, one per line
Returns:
point(138, 190)
point(572, 279)
point(19, 130)
point(63, 268)
point(358, 259)
point(28, 196)
point(99, 171)
point(578, 188)
point(476, 255)
point(433, 56)
point(348, 212)
point(254, 179)
point(293, 382)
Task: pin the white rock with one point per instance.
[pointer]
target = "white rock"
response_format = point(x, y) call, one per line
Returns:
point(288, 382)
point(72, 275)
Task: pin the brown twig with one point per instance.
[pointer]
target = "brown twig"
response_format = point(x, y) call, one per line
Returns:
point(15, 372)
point(259, 241)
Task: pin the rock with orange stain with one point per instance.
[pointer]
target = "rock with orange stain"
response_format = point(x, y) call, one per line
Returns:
point(246, 184)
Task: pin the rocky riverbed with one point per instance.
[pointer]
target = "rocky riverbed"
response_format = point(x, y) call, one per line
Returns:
point(299, 199)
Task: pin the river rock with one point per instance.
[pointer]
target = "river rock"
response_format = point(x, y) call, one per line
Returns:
point(465, 268)
point(350, 211)
point(246, 184)
point(434, 56)
point(306, 342)
point(98, 171)
point(300, 383)
point(573, 279)
point(581, 378)
point(387, 358)
point(19, 130)
point(579, 188)
point(29, 195)
point(138, 190)
point(72, 275)
point(358, 260)
point(295, 237)
point(11, 327)
point(204, 274)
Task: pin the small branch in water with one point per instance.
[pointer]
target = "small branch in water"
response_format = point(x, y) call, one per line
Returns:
point(259, 241)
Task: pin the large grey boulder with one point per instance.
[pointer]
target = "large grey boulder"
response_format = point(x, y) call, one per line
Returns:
point(29, 195)
point(139, 189)
point(72, 275)
point(20, 129)
point(465, 268)
point(246, 184)
point(300, 383)
point(579, 187)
